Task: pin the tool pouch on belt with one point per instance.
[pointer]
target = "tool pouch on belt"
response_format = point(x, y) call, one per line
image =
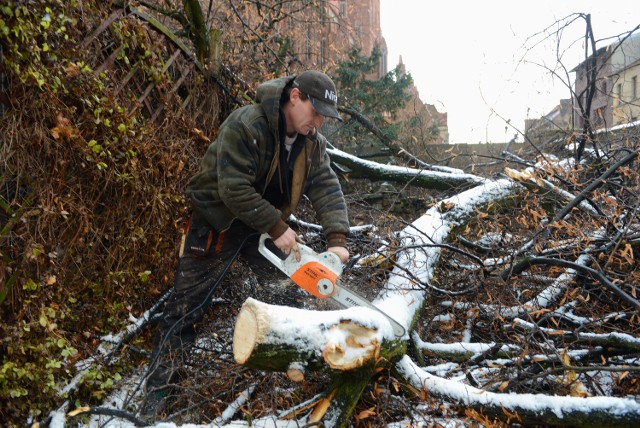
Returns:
point(199, 238)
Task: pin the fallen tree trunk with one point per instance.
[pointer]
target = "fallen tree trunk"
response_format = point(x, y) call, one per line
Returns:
point(437, 180)
point(527, 409)
point(348, 344)
point(280, 338)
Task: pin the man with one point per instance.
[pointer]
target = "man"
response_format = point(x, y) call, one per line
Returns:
point(266, 157)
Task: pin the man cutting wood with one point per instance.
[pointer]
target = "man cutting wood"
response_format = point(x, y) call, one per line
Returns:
point(252, 177)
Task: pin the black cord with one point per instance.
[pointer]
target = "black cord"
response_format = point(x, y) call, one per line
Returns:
point(205, 301)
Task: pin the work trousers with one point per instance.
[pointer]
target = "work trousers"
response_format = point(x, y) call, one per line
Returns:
point(201, 268)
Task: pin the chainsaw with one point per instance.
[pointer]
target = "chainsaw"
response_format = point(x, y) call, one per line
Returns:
point(318, 274)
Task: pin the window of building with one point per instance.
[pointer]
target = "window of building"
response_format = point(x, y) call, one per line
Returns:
point(598, 119)
point(634, 87)
point(618, 94)
point(383, 62)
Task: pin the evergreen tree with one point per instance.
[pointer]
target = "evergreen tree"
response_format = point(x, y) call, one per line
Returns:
point(378, 99)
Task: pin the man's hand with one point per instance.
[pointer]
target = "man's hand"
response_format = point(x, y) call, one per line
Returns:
point(341, 252)
point(288, 242)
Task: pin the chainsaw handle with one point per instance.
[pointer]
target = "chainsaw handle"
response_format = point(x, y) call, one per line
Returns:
point(288, 263)
point(271, 252)
point(267, 243)
point(271, 246)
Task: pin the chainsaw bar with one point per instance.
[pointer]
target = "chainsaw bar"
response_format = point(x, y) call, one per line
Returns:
point(349, 298)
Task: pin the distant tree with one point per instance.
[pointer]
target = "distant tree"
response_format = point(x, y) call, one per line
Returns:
point(419, 131)
point(379, 100)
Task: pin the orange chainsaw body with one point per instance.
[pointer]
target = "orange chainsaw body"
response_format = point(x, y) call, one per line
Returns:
point(315, 278)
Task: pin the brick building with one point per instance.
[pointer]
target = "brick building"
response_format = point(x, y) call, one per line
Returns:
point(426, 117)
point(333, 27)
point(287, 37)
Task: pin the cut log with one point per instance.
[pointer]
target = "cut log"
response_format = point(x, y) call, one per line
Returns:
point(280, 338)
point(295, 372)
point(350, 345)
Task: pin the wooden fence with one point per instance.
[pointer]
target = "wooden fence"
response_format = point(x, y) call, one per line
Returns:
point(196, 98)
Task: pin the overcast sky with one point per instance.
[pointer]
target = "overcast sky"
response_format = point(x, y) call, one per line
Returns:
point(478, 61)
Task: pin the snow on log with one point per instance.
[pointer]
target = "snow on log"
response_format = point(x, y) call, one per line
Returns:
point(613, 339)
point(280, 338)
point(418, 177)
point(464, 351)
point(402, 296)
point(527, 409)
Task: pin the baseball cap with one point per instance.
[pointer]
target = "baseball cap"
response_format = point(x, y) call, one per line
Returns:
point(321, 91)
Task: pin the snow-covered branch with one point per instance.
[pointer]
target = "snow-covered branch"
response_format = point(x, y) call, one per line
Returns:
point(417, 177)
point(526, 408)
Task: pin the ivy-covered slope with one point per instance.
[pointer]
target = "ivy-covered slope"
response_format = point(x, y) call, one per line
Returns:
point(98, 138)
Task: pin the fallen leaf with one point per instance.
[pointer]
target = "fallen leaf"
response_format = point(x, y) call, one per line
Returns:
point(365, 414)
point(445, 206)
point(73, 70)
point(200, 135)
point(78, 411)
point(63, 129)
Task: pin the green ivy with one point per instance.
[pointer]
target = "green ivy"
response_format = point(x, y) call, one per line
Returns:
point(67, 237)
point(31, 35)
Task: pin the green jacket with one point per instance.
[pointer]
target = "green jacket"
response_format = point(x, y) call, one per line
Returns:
point(239, 164)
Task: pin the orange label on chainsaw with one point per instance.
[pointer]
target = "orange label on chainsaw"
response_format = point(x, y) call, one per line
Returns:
point(316, 279)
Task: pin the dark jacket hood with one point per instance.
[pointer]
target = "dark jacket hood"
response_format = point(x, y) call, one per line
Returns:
point(269, 95)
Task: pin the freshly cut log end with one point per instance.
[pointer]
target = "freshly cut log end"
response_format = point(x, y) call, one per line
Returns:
point(296, 371)
point(245, 335)
point(350, 345)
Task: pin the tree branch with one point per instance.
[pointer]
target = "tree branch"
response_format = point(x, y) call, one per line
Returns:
point(417, 177)
point(526, 409)
point(530, 261)
point(397, 149)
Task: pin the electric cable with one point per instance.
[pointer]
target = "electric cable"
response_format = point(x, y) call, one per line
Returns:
point(202, 305)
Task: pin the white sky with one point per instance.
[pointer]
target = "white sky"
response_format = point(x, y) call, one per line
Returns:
point(466, 56)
